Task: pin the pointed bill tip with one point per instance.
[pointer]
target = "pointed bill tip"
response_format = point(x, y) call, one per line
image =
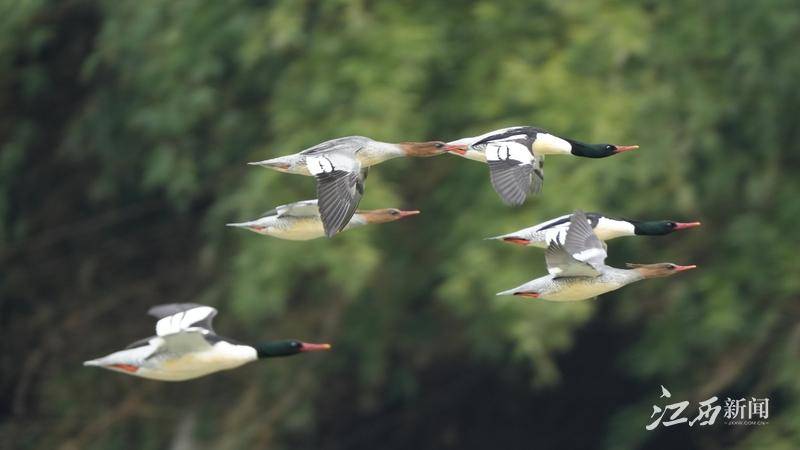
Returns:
point(682, 268)
point(409, 213)
point(314, 347)
point(625, 148)
point(684, 225)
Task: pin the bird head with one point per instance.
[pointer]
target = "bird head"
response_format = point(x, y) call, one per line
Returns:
point(287, 348)
point(660, 227)
point(659, 269)
point(423, 149)
point(598, 150)
point(385, 215)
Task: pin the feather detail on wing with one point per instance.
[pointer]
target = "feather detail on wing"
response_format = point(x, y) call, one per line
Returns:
point(581, 255)
point(340, 185)
point(177, 317)
point(512, 169)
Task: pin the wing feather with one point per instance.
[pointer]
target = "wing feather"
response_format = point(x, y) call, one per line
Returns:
point(581, 255)
point(177, 317)
point(514, 171)
point(340, 186)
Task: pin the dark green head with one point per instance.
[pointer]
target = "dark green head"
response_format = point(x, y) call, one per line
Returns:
point(660, 227)
point(598, 150)
point(287, 348)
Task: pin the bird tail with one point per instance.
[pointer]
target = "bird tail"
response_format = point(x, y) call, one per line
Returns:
point(508, 292)
point(494, 238)
point(281, 163)
point(94, 362)
point(240, 224)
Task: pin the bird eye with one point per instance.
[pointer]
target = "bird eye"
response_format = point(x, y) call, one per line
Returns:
point(672, 224)
point(439, 145)
point(671, 266)
point(395, 212)
point(610, 147)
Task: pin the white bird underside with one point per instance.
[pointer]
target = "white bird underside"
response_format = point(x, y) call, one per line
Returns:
point(168, 366)
point(299, 221)
point(568, 289)
point(576, 266)
point(540, 235)
point(182, 348)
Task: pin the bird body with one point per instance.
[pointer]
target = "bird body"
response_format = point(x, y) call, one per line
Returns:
point(604, 227)
point(186, 347)
point(577, 269)
point(570, 289)
point(515, 156)
point(340, 167)
point(301, 221)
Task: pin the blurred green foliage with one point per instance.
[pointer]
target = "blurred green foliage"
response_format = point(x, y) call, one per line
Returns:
point(125, 130)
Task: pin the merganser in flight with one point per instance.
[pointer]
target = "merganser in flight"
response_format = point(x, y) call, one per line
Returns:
point(185, 347)
point(301, 221)
point(604, 227)
point(578, 271)
point(340, 167)
point(515, 156)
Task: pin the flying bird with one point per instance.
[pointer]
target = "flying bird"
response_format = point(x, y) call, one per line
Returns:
point(301, 221)
point(340, 167)
point(185, 346)
point(604, 227)
point(515, 156)
point(577, 269)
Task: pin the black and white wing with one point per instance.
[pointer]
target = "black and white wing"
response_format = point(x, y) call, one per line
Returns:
point(304, 208)
point(514, 170)
point(581, 255)
point(178, 317)
point(340, 185)
point(523, 133)
point(348, 144)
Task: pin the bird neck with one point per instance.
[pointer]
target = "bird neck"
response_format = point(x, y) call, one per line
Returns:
point(589, 150)
point(651, 228)
point(360, 218)
point(387, 149)
point(274, 349)
point(646, 271)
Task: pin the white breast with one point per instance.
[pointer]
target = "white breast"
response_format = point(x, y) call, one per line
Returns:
point(547, 144)
point(220, 356)
point(609, 229)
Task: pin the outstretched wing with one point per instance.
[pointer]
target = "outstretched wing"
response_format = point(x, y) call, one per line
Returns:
point(177, 317)
point(581, 255)
point(340, 185)
point(513, 169)
point(582, 243)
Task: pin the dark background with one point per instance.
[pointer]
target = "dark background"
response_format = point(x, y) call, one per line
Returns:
point(125, 128)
